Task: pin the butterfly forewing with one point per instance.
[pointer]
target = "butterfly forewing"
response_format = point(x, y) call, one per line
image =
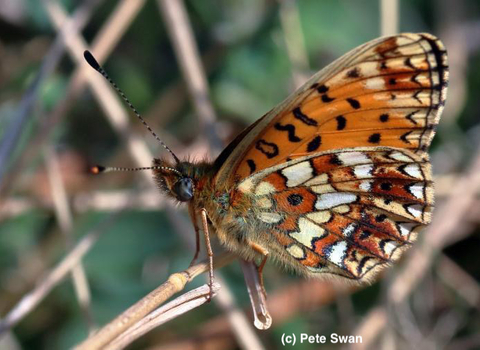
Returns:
point(345, 212)
point(388, 92)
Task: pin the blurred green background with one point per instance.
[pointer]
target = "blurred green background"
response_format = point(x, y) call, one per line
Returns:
point(243, 49)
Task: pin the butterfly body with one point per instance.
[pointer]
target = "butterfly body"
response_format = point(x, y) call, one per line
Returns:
point(336, 179)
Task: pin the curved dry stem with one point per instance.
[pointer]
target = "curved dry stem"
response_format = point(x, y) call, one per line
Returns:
point(174, 284)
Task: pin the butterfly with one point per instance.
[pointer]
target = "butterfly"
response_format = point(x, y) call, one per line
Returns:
point(336, 179)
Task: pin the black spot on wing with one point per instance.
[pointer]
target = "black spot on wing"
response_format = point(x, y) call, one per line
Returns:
point(295, 199)
point(353, 73)
point(322, 89)
point(354, 103)
point(341, 122)
point(269, 149)
point(409, 116)
point(408, 63)
point(326, 98)
point(384, 117)
point(374, 138)
point(251, 165)
point(386, 186)
point(297, 113)
point(404, 137)
point(314, 144)
point(290, 129)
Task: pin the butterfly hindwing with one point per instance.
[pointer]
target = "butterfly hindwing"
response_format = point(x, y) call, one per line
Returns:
point(345, 212)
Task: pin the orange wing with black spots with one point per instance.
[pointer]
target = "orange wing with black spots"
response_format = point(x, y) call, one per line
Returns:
point(388, 92)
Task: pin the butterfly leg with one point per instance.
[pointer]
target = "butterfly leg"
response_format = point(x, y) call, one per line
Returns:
point(203, 214)
point(191, 211)
point(261, 250)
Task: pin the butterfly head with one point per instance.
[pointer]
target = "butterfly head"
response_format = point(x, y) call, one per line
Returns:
point(174, 180)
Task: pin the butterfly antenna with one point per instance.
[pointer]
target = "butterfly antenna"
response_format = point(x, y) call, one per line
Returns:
point(95, 65)
point(97, 169)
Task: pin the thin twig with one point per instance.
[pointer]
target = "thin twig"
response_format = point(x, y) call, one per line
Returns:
point(174, 284)
point(181, 34)
point(64, 216)
point(389, 17)
point(103, 92)
point(109, 35)
point(294, 42)
point(52, 58)
point(296, 299)
point(53, 278)
point(184, 303)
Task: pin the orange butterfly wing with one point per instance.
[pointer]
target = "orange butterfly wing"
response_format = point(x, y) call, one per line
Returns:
point(336, 178)
point(387, 92)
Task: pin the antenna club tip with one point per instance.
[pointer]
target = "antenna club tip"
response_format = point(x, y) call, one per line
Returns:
point(91, 60)
point(97, 169)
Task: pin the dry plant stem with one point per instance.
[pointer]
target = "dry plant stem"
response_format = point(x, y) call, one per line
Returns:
point(459, 281)
point(441, 232)
point(241, 326)
point(303, 296)
point(105, 95)
point(103, 43)
point(11, 137)
point(262, 318)
point(169, 311)
point(389, 17)
point(65, 221)
point(175, 283)
point(32, 299)
point(181, 35)
point(294, 42)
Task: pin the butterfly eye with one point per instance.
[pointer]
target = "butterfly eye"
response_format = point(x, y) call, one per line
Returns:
point(183, 189)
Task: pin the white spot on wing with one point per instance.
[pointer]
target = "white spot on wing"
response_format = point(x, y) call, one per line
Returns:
point(327, 188)
point(331, 200)
point(296, 251)
point(417, 190)
point(337, 253)
point(413, 170)
point(264, 188)
point(308, 231)
point(415, 210)
point(320, 217)
point(400, 157)
point(406, 228)
point(363, 171)
point(270, 218)
point(246, 185)
point(342, 209)
point(349, 230)
point(375, 84)
point(298, 173)
point(389, 247)
point(353, 158)
point(366, 185)
point(318, 180)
